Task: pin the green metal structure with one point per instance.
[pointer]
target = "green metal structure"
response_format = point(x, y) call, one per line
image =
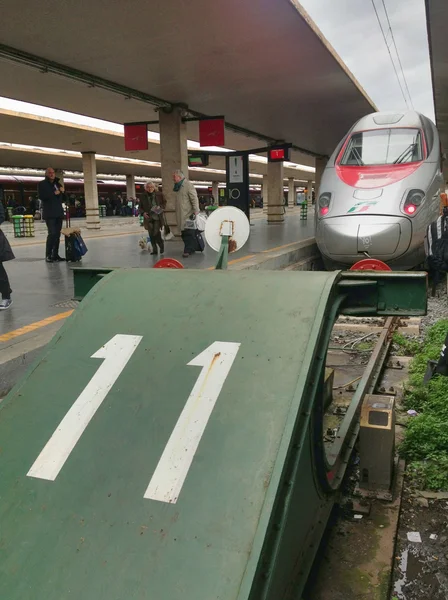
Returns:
point(174, 450)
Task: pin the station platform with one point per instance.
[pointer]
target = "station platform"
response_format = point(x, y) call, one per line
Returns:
point(42, 293)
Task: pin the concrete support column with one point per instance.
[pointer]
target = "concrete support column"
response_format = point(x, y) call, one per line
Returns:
point(264, 193)
point(321, 163)
point(91, 190)
point(275, 193)
point(174, 155)
point(291, 192)
point(130, 187)
point(215, 192)
point(309, 193)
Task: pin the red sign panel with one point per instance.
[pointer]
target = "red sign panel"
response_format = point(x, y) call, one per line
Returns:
point(278, 154)
point(211, 132)
point(135, 137)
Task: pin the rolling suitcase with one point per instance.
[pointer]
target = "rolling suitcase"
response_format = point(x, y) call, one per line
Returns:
point(200, 244)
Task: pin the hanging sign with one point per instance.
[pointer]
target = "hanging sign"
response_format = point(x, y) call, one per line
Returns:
point(211, 132)
point(136, 137)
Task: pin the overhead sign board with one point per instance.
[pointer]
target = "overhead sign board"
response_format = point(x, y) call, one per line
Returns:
point(136, 137)
point(211, 132)
point(278, 153)
point(198, 160)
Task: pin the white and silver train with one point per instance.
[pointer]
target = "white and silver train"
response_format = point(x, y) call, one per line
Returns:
point(380, 191)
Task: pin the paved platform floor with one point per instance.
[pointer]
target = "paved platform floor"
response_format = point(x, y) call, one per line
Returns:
point(42, 292)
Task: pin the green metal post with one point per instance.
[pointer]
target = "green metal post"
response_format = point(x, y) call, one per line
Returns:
point(223, 255)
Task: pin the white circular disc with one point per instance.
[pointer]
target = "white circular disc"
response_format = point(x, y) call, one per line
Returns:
point(227, 219)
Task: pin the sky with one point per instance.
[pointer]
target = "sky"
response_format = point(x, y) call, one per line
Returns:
point(352, 29)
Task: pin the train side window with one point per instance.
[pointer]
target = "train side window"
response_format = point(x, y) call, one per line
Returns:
point(429, 134)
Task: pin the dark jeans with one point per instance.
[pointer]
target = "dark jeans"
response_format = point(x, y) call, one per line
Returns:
point(156, 240)
point(189, 240)
point(155, 235)
point(5, 289)
point(54, 227)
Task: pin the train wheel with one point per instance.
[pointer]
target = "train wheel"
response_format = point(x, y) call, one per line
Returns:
point(370, 264)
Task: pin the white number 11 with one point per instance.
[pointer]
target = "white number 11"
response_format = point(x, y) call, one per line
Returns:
point(174, 464)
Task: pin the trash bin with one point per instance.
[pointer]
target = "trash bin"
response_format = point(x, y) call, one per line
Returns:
point(28, 225)
point(18, 225)
point(102, 210)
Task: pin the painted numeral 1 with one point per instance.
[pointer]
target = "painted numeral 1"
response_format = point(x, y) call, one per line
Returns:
point(116, 354)
point(171, 472)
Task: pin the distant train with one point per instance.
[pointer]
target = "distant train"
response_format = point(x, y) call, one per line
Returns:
point(16, 190)
point(380, 191)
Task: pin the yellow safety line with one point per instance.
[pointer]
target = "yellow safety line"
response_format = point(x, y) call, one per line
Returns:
point(242, 259)
point(281, 247)
point(6, 337)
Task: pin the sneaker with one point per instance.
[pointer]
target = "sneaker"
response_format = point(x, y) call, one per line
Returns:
point(5, 304)
point(59, 259)
point(49, 259)
point(185, 255)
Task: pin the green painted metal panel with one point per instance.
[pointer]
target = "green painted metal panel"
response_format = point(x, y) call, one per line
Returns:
point(90, 533)
point(84, 279)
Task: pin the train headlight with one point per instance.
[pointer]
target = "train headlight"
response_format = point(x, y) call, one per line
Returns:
point(413, 201)
point(324, 203)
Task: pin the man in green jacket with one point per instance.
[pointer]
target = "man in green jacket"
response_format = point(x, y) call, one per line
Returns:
point(187, 205)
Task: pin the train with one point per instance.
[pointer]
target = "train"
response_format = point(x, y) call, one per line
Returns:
point(379, 192)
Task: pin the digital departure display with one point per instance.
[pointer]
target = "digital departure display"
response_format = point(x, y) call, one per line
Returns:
point(198, 160)
point(278, 154)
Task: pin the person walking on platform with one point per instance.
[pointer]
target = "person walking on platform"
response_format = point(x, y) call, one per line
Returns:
point(187, 204)
point(152, 207)
point(5, 254)
point(51, 192)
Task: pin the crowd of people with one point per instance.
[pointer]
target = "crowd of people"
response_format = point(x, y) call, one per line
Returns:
point(152, 207)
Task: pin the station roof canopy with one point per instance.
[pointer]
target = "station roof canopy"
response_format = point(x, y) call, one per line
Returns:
point(263, 64)
point(28, 129)
point(437, 19)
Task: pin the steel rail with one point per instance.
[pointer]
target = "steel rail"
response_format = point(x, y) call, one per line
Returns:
point(340, 450)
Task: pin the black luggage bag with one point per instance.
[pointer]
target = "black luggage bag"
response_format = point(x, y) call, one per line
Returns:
point(72, 253)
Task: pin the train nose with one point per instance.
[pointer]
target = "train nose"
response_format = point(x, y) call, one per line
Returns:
point(345, 238)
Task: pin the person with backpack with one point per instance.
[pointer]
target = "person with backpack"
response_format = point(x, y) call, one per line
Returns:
point(6, 254)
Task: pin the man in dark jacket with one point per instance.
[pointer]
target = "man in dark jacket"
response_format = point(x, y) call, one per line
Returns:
point(51, 192)
point(5, 254)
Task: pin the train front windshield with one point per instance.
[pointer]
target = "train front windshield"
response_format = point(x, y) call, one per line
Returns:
point(383, 147)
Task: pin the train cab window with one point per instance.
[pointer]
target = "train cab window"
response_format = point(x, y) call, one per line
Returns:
point(383, 147)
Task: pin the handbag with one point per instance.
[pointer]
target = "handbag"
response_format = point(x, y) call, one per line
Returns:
point(80, 246)
point(191, 223)
point(201, 222)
